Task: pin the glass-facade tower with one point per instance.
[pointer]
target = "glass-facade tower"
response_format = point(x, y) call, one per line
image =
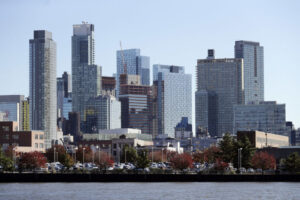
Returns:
point(253, 56)
point(173, 96)
point(86, 76)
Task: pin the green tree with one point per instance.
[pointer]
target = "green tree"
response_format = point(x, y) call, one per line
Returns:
point(67, 160)
point(142, 159)
point(129, 154)
point(6, 162)
point(247, 152)
point(292, 163)
point(227, 148)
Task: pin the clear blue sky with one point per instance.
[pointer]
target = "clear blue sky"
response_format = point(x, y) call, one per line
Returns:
point(169, 31)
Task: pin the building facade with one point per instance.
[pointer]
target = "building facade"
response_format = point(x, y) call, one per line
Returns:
point(12, 107)
point(253, 55)
point(220, 85)
point(86, 76)
point(103, 112)
point(267, 116)
point(135, 65)
point(259, 139)
point(108, 85)
point(22, 141)
point(42, 84)
point(172, 98)
point(135, 104)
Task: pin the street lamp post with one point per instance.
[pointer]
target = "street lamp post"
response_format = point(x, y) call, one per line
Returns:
point(240, 158)
point(83, 157)
point(152, 154)
point(75, 153)
point(54, 154)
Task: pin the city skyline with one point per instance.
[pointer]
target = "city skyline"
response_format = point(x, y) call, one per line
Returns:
point(166, 47)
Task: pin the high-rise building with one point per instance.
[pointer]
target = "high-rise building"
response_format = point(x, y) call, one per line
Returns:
point(67, 107)
point(11, 106)
point(267, 116)
point(42, 85)
point(25, 115)
point(135, 65)
point(60, 96)
point(103, 112)
point(86, 76)
point(64, 94)
point(67, 84)
point(253, 56)
point(172, 98)
point(135, 104)
point(220, 85)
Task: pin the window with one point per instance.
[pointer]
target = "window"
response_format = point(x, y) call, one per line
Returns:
point(15, 137)
point(36, 145)
point(41, 145)
point(41, 137)
point(36, 136)
point(115, 146)
point(5, 128)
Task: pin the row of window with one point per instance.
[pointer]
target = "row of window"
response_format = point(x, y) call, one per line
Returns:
point(36, 145)
point(36, 136)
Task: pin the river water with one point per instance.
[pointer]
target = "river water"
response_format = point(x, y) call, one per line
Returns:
point(147, 191)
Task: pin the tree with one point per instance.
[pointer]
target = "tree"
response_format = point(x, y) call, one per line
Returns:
point(103, 160)
point(198, 157)
point(6, 162)
point(129, 154)
point(67, 161)
point(227, 148)
point(292, 162)
point(142, 159)
point(211, 154)
point(220, 165)
point(32, 160)
point(182, 161)
point(246, 152)
point(60, 152)
point(88, 154)
point(263, 160)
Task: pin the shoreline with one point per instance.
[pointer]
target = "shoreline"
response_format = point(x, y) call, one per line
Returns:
point(43, 177)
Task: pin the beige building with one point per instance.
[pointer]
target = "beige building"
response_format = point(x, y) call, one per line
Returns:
point(262, 139)
point(23, 141)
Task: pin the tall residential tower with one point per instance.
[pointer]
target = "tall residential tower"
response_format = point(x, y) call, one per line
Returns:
point(42, 85)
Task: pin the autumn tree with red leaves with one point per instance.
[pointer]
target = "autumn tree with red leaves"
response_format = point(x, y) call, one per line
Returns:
point(103, 160)
point(181, 161)
point(263, 160)
point(31, 161)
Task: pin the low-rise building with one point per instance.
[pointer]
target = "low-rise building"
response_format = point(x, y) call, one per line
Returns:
point(183, 130)
point(260, 139)
point(23, 141)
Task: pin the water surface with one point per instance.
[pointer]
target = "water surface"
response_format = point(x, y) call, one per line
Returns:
point(147, 191)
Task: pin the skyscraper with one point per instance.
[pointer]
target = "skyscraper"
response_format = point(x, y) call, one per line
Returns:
point(86, 76)
point(253, 56)
point(135, 64)
point(135, 103)
point(42, 85)
point(172, 96)
point(67, 84)
point(220, 85)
